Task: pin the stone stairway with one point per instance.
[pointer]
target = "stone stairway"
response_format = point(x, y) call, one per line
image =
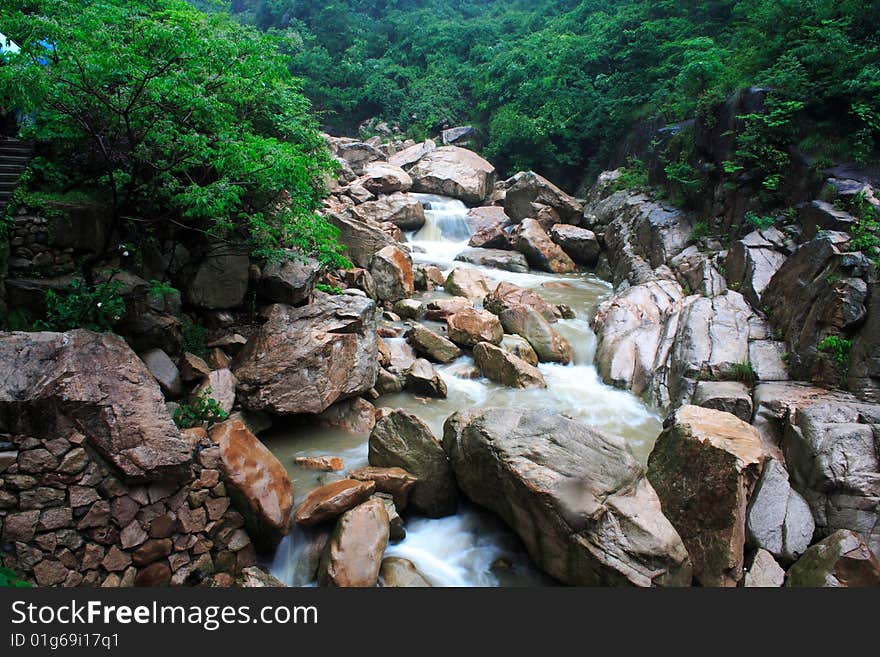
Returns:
point(14, 158)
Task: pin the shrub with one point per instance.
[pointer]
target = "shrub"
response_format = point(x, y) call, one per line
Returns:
point(759, 222)
point(838, 348)
point(743, 372)
point(96, 308)
point(194, 337)
point(8, 579)
point(199, 411)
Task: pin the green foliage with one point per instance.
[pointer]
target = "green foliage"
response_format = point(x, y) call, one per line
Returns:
point(194, 337)
point(632, 176)
point(161, 288)
point(838, 348)
point(8, 579)
point(328, 289)
point(744, 373)
point(866, 231)
point(200, 410)
point(18, 319)
point(759, 222)
point(93, 307)
point(701, 229)
point(181, 117)
point(558, 83)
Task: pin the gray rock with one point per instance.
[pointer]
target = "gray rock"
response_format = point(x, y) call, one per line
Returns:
point(576, 497)
point(400, 439)
point(220, 280)
point(841, 560)
point(527, 189)
point(580, 244)
point(291, 281)
point(54, 383)
point(766, 357)
point(404, 211)
point(764, 572)
point(423, 379)
point(494, 258)
point(284, 368)
point(164, 371)
point(833, 455)
point(779, 520)
point(729, 396)
point(751, 263)
point(455, 172)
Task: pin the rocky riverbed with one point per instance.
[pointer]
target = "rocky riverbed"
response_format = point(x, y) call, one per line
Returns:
point(512, 385)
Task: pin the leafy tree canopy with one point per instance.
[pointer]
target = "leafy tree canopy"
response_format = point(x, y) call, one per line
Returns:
point(182, 117)
point(556, 84)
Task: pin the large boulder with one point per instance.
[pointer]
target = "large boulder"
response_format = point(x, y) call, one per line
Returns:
point(508, 295)
point(467, 282)
point(779, 519)
point(520, 347)
point(530, 239)
point(353, 555)
point(494, 258)
point(577, 498)
point(704, 467)
point(528, 323)
point(257, 483)
point(488, 224)
point(842, 560)
point(503, 367)
point(640, 234)
point(52, 384)
point(630, 327)
point(432, 345)
point(820, 291)
point(362, 239)
point(470, 326)
point(406, 158)
point(290, 281)
point(422, 379)
point(220, 279)
point(832, 451)
point(455, 172)
point(404, 211)
point(580, 244)
point(402, 440)
point(302, 360)
point(527, 192)
point(392, 273)
point(385, 178)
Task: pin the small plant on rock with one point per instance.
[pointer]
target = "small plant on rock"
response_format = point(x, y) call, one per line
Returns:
point(744, 373)
point(96, 308)
point(9, 580)
point(838, 348)
point(201, 410)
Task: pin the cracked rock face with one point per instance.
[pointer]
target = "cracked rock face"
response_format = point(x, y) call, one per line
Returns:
point(54, 383)
point(302, 360)
point(576, 497)
point(704, 467)
point(779, 519)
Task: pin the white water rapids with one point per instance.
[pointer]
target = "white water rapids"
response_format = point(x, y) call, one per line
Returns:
point(472, 548)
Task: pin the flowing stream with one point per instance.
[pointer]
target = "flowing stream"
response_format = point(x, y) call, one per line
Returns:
point(473, 547)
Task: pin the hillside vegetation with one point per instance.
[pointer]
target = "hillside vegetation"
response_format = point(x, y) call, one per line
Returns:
point(556, 84)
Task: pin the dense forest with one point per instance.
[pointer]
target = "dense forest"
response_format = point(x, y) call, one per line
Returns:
point(556, 84)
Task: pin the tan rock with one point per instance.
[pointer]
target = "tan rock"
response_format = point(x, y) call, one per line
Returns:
point(704, 467)
point(332, 500)
point(470, 326)
point(353, 556)
point(261, 483)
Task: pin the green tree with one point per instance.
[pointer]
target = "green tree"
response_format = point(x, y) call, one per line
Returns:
point(184, 118)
